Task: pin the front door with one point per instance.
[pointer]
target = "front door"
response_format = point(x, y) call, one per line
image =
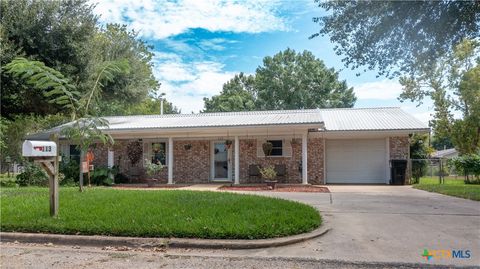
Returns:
point(220, 164)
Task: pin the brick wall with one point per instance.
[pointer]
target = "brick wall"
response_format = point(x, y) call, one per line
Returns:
point(399, 147)
point(315, 161)
point(193, 165)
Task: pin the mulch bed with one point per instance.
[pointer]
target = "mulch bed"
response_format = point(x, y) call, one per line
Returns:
point(287, 188)
point(145, 186)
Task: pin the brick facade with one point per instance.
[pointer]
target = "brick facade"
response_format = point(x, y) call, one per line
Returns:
point(399, 147)
point(191, 165)
point(194, 165)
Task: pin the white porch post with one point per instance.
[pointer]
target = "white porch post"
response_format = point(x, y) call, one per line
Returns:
point(237, 160)
point(304, 159)
point(170, 160)
point(110, 162)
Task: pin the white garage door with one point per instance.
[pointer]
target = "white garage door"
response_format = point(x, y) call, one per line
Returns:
point(356, 161)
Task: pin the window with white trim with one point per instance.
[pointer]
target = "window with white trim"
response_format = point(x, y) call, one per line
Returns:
point(277, 147)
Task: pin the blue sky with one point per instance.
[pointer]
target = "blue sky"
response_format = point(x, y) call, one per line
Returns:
point(201, 44)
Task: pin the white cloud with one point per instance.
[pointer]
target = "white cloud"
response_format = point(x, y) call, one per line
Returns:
point(187, 84)
point(378, 90)
point(162, 19)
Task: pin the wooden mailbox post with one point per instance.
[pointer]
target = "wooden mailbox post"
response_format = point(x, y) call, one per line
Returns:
point(45, 153)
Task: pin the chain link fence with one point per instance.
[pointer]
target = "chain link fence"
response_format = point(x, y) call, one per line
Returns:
point(432, 169)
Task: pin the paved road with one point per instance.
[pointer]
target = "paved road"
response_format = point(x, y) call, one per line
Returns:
point(40, 256)
point(384, 224)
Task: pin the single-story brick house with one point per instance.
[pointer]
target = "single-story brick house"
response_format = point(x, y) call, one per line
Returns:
point(312, 146)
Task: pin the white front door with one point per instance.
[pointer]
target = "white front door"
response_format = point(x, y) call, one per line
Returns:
point(221, 161)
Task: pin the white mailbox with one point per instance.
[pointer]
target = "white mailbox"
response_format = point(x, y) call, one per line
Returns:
point(39, 149)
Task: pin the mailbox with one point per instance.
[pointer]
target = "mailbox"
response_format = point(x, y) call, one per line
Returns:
point(39, 149)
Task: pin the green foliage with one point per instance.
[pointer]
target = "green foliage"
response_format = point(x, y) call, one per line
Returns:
point(469, 165)
point(397, 36)
point(268, 172)
point(102, 176)
point(153, 169)
point(52, 83)
point(471, 192)
point(149, 106)
point(8, 182)
point(237, 95)
point(288, 80)
point(33, 175)
point(14, 131)
point(418, 152)
point(115, 42)
point(65, 36)
point(453, 85)
point(70, 171)
point(55, 33)
point(189, 214)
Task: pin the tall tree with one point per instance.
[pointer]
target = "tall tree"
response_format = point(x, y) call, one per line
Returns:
point(395, 36)
point(288, 80)
point(65, 36)
point(53, 32)
point(453, 85)
point(116, 42)
point(237, 95)
point(291, 80)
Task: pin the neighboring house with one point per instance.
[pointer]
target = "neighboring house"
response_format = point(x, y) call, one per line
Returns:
point(445, 154)
point(315, 146)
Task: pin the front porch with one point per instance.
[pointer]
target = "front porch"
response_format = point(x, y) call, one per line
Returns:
point(218, 159)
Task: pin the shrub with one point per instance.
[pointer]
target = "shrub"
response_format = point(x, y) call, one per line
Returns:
point(71, 171)
point(153, 169)
point(268, 172)
point(32, 175)
point(469, 165)
point(100, 176)
point(6, 181)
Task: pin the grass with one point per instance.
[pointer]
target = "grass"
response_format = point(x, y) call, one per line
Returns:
point(452, 187)
point(159, 213)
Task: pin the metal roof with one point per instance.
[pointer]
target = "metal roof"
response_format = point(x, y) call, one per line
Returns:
point(370, 119)
point(224, 119)
point(335, 119)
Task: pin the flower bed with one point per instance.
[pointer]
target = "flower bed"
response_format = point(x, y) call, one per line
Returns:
point(279, 188)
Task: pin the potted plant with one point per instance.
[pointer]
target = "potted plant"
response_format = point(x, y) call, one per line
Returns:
point(267, 148)
point(269, 175)
point(228, 143)
point(152, 169)
point(187, 146)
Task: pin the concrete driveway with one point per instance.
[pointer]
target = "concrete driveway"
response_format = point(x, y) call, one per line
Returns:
point(384, 224)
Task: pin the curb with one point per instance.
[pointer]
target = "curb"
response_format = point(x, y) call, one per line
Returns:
point(139, 242)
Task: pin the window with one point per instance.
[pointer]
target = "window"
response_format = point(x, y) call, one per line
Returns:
point(277, 149)
point(74, 153)
point(159, 153)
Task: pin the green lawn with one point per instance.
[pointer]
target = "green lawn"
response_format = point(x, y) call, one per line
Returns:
point(452, 187)
point(159, 213)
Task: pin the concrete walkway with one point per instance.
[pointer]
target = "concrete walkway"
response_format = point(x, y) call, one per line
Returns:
point(383, 224)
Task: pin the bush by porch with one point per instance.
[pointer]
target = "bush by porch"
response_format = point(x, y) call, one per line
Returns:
point(155, 213)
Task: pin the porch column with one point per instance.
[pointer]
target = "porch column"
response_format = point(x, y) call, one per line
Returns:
point(237, 160)
point(170, 160)
point(304, 159)
point(110, 163)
